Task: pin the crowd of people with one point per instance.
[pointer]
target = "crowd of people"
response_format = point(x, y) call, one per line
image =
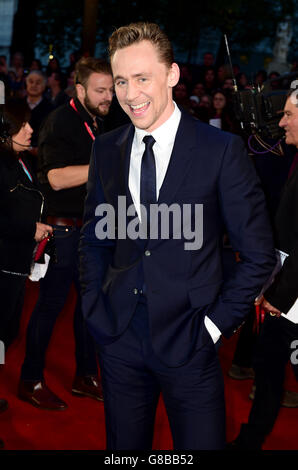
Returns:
point(204, 90)
point(51, 119)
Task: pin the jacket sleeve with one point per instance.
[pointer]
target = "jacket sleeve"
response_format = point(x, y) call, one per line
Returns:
point(95, 253)
point(283, 292)
point(245, 216)
point(13, 225)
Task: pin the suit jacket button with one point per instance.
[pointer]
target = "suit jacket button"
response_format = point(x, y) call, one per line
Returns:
point(147, 253)
point(135, 291)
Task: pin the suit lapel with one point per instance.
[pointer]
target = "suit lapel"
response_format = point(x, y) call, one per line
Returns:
point(181, 158)
point(182, 154)
point(125, 143)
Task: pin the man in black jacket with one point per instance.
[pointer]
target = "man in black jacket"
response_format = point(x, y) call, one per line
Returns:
point(64, 149)
point(279, 334)
point(40, 107)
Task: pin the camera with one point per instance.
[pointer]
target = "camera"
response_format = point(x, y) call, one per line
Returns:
point(259, 111)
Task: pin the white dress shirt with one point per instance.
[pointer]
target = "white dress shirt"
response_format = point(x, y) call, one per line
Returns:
point(164, 142)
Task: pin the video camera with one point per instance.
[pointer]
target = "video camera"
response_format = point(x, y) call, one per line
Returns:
point(259, 112)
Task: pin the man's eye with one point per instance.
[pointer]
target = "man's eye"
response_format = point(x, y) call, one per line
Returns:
point(120, 83)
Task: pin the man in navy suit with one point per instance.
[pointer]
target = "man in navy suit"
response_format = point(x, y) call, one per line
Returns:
point(157, 306)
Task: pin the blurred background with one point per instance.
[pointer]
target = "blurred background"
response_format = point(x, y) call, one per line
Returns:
point(63, 28)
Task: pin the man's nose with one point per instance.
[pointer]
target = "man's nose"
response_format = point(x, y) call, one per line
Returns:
point(109, 95)
point(131, 92)
point(282, 122)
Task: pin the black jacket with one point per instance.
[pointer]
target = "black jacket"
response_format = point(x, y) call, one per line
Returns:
point(65, 141)
point(283, 293)
point(21, 206)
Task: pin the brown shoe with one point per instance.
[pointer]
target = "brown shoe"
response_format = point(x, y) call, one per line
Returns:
point(39, 395)
point(3, 405)
point(241, 373)
point(290, 399)
point(89, 386)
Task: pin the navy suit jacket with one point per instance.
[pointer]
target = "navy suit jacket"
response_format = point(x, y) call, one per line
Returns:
point(208, 167)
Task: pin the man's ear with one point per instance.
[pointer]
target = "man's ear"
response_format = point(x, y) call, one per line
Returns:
point(81, 92)
point(174, 75)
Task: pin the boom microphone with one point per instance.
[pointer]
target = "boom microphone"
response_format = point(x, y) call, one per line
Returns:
point(2, 102)
point(2, 93)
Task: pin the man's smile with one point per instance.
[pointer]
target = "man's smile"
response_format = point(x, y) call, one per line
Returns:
point(139, 108)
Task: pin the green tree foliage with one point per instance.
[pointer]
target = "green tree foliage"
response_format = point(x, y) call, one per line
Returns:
point(245, 22)
point(59, 22)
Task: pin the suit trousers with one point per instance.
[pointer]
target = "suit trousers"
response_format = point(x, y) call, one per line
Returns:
point(275, 347)
point(54, 290)
point(246, 343)
point(133, 378)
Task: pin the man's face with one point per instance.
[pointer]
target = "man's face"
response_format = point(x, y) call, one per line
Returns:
point(289, 122)
point(228, 84)
point(209, 76)
point(180, 91)
point(199, 89)
point(143, 85)
point(35, 85)
point(97, 96)
point(208, 60)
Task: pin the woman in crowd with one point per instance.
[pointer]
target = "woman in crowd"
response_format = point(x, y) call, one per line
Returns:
point(210, 80)
point(53, 66)
point(222, 113)
point(21, 208)
point(21, 211)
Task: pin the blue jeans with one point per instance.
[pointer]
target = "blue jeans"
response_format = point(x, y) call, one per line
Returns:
point(54, 289)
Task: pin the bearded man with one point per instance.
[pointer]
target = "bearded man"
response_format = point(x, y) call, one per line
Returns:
point(65, 143)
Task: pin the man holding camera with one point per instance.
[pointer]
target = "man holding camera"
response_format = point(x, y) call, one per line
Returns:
point(279, 333)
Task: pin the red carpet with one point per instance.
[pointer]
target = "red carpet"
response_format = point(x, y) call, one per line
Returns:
point(81, 426)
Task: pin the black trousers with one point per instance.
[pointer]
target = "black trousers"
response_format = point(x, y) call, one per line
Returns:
point(133, 378)
point(12, 290)
point(278, 342)
point(54, 289)
point(246, 343)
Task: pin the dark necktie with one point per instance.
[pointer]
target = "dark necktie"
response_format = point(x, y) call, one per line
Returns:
point(148, 175)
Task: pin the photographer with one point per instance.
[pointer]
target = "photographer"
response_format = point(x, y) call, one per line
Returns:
point(21, 210)
point(280, 328)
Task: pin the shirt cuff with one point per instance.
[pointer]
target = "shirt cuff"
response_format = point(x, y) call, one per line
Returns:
point(212, 329)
